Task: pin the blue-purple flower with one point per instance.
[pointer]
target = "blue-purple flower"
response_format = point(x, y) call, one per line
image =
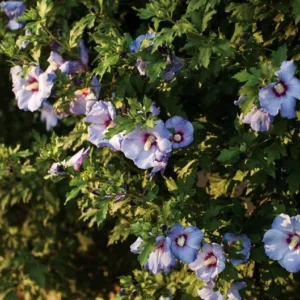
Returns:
point(143, 146)
point(13, 9)
point(208, 292)
point(77, 160)
point(185, 242)
point(161, 259)
point(259, 119)
point(281, 96)
point(183, 134)
point(231, 239)
point(174, 65)
point(48, 115)
point(32, 91)
point(137, 246)
point(136, 44)
point(209, 263)
point(233, 291)
point(282, 242)
point(102, 115)
point(85, 98)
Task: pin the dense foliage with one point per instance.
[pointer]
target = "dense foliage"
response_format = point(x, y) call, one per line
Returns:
point(166, 163)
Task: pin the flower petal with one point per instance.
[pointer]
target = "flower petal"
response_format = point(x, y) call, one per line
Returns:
point(194, 237)
point(275, 243)
point(291, 261)
point(287, 70)
point(293, 88)
point(269, 100)
point(288, 106)
point(283, 223)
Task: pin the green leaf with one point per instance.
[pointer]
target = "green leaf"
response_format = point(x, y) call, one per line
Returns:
point(204, 57)
point(74, 192)
point(11, 296)
point(154, 69)
point(183, 26)
point(44, 7)
point(77, 30)
point(279, 56)
point(148, 247)
point(251, 79)
point(105, 65)
point(171, 184)
point(293, 181)
point(102, 213)
point(146, 13)
point(296, 10)
point(38, 274)
point(229, 155)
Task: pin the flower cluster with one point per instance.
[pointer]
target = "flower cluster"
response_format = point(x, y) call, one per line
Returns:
point(282, 242)
point(150, 148)
point(277, 97)
point(184, 244)
point(32, 86)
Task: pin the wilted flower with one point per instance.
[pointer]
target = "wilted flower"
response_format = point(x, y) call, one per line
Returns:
point(31, 92)
point(183, 132)
point(56, 61)
point(185, 242)
point(280, 96)
point(77, 160)
point(161, 259)
point(174, 65)
point(85, 98)
point(24, 44)
point(160, 162)
point(233, 291)
point(240, 100)
point(57, 168)
point(245, 242)
point(154, 109)
point(259, 119)
point(209, 263)
point(136, 44)
point(48, 115)
point(282, 242)
point(141, 66)
point(121, 195)
point(102, 115)
point(208, 293)
point(13, 9)
point(136, 247)
point(142, 146)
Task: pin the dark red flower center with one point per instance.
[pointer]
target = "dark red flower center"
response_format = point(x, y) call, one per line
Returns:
point(160, 246)
point(33, 85)
point(210, 260)
point(293, 241)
